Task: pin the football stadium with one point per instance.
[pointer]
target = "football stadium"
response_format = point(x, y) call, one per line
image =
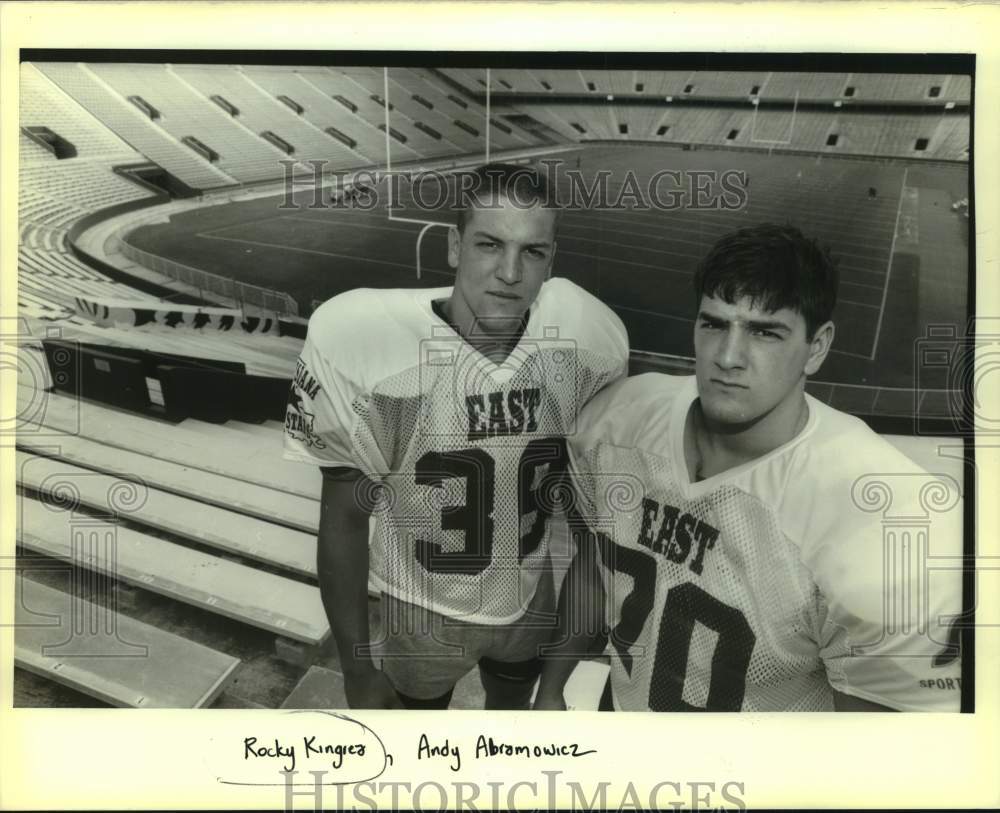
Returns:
point(179, 223)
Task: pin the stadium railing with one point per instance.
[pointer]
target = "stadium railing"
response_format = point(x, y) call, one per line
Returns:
point(924, 160)
point(242, 292)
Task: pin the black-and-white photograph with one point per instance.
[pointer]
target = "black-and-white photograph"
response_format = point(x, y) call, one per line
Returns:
point(332, 373)
point(547, 382)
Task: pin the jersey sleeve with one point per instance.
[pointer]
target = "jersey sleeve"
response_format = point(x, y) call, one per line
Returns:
point(887, 630)
point(599, 334)
point(320, 417)
point(618, 416)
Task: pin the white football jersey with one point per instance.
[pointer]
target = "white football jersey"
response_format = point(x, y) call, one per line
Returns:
point(469, 453)
point(763, 587)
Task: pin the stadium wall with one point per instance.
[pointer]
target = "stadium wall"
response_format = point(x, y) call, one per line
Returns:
point(118, 275)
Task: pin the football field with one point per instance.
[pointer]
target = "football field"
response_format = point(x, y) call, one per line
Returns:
point(895, 250)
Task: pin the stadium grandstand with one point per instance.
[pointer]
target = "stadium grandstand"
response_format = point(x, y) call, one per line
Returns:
point(179, 222)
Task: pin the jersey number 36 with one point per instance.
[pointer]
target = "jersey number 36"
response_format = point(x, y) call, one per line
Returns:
point(474, 518)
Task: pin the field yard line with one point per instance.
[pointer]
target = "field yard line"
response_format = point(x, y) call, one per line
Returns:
point(852, 302)
point(644, 266)
point(326, 224)
point(721, 216)
point(665, 232)
point(848, 353)
point(651, 313)
point(287, 247)
point(888, 270)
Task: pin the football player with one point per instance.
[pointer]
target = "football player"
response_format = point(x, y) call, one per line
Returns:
point(443, 413)
point(742, 552)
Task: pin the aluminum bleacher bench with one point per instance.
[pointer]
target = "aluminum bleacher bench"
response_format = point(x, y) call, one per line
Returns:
point(164, 670)
point(226, 530)
point(298, 512)
point(280, 605)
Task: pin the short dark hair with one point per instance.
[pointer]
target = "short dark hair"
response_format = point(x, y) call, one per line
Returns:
point(518, 182)
point(776, 267)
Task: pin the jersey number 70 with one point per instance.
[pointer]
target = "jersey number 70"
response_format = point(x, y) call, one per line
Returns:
point(685, 604)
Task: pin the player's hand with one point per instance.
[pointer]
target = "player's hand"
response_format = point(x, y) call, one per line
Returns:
point(549, 701)
point(370, 689)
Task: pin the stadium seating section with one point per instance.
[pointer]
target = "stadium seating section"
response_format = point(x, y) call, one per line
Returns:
point(732, 85)
point(946, 135)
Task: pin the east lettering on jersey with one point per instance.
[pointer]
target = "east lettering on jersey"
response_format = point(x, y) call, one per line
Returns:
point(496, 414)
point(677, 535)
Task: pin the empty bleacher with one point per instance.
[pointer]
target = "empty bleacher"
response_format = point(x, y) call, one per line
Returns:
point(604, 82)
point(300, 512)
point(909, 135)
point(951, 140)
point(858, 132)
point(44, 104)
point(366, 110)
point(153, 668)
point(810, 129)
point(213, 126)
point(726, 84)
point(547, 115)
point(733, 85)
point(365, 87)
point(260, 110)
point(216, 526)
point(412, 94)
point(85, 185)
point(28, 150)
point(221, 525)
point(133, 126)
point(242, 153)
point(471, 113)
point(53, 195)
point(641, 121)
point(535, 81)
point(914, 88)
point(186, 574)
point(664, 83)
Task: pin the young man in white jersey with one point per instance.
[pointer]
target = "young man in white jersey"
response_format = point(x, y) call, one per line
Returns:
point(736, 556)
point(443, 412)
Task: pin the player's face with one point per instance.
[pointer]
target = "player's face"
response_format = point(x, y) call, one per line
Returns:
point(751, 363)
point(501, 260)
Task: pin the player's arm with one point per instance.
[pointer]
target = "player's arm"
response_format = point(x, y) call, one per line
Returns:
point(872, 664)
point(581, 619)
point(342, 565)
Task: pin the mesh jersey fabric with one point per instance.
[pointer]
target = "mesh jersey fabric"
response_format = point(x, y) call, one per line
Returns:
point(765, 586)
point(469, 454)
